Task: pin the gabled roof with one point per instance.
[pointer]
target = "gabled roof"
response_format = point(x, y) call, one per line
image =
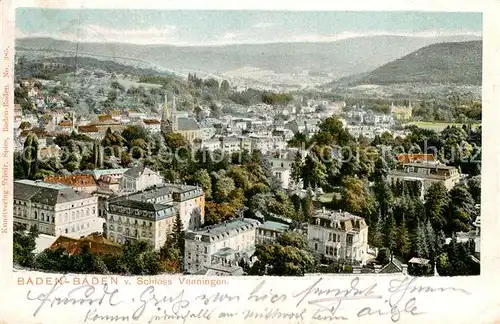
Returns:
point(46, 193)
point(394, 266)
point(135, 172)
point(187, 124)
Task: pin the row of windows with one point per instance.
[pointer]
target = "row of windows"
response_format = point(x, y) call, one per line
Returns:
point(126, 220)
point(76, 228)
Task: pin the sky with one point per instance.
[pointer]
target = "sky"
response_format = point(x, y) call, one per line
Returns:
point(199, 28)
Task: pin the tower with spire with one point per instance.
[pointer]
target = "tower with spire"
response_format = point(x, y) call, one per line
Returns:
point(168, 117)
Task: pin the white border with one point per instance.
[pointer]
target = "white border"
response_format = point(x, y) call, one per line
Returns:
point(480, 307)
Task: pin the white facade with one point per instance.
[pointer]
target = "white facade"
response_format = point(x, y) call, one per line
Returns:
point(212, 145)
point(427, 174)
point(267, 144)
point(338, 235)
point(282, 170)
point(152, 126)
point(207, 246)
point(55, 209)
point(130, 221)
point(150, 214)
point(139, 178)
point(235, 144)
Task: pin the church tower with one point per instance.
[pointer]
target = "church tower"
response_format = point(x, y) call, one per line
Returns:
point(173, 116)
point(169, 116)
point(166, 125)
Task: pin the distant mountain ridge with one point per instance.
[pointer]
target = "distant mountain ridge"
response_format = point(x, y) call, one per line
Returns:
point(446, 63)
point(340, 58)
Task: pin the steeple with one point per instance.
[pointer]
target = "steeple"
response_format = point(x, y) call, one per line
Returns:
point(165, 117)
point(173, 115)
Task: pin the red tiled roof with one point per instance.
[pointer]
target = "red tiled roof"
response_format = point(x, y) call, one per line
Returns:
point(408, 158)
point(66, 123)
point(97, 244)
point(104, 117)
point(151, 121)
point(88, 129)
point(84, 180)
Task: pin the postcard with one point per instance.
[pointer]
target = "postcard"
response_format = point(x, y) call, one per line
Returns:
point(250, 162)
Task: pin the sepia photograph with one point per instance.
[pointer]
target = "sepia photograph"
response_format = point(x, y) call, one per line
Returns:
point(247, 143)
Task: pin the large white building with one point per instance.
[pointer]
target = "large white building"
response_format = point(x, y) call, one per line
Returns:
point(139, 178)
point(338, 235)
point(55, 209)
point(426, 173)
point(150, 214)
point(219, 244)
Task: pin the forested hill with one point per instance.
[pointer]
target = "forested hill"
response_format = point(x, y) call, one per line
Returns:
point(451, 63)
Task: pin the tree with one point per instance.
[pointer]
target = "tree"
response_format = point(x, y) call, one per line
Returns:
point(436, 202)
point(297, 166)
point(376, 235)
point(224, 87)
point(383, 196)
point(24, 245)
point(432, 242)
point(170, 255)
point(403, 244)
point(97, 156)
point(383, 256)
point(203, 179)
point(474, 185)
point(30, 155)
point(313, 172)
point(216, 213)
point(178, 235)
point(390, 234)
point(308, 205)
point(24, 125)
point(420, 248)
point(133, 132)
point(223, 186)
point(288, 256)
point(460, 210)
point(356, 196)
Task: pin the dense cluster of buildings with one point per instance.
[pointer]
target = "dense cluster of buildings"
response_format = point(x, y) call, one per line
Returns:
point(137, 204)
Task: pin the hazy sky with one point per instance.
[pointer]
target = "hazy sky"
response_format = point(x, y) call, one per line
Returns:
point(185, 27)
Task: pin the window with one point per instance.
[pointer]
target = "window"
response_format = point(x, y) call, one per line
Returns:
point(93, 210)
point(315, 246)
point(205, 250)
point(349, 238)
point(66, 230)
point(53, 219)
point(36, 214)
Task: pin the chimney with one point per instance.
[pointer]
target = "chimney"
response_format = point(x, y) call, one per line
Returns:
point(324, 210)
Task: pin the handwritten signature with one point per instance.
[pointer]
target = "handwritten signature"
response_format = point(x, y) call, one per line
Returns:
point(81, 295)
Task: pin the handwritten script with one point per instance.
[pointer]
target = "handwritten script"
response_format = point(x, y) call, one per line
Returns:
point(316, 300)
